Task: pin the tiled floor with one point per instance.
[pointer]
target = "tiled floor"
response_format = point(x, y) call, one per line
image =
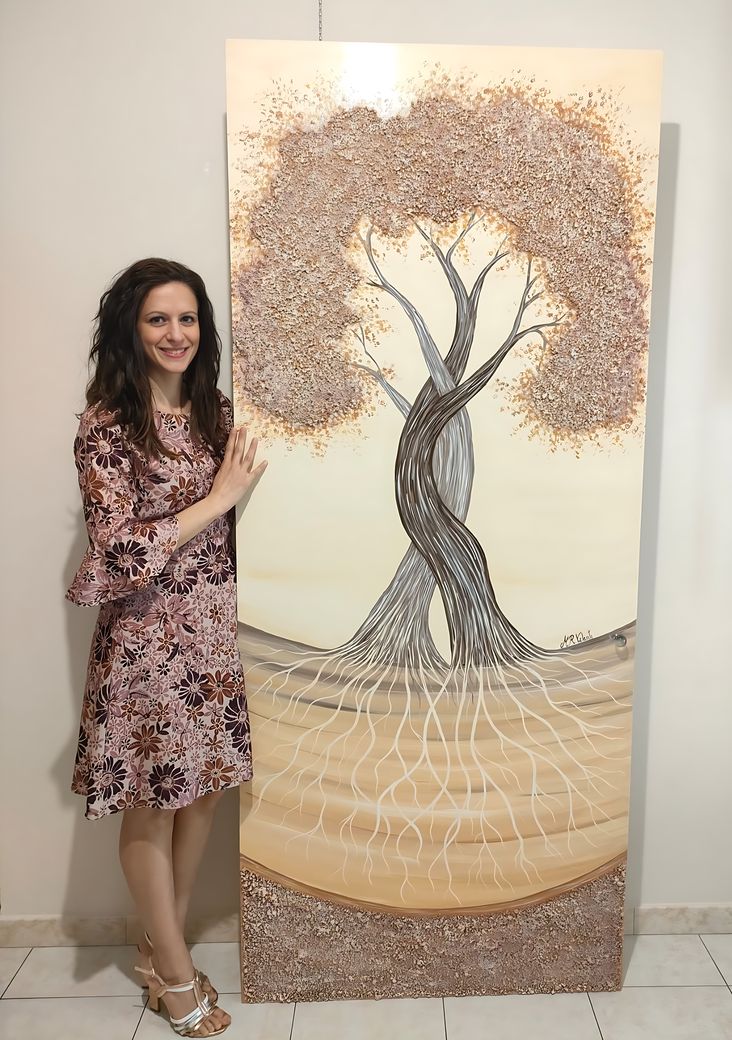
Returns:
point(677, 987)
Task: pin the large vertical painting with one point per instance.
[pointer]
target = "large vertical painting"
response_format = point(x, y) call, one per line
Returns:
point(440, 270)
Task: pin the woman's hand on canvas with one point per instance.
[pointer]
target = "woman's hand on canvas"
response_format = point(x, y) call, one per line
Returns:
point(233, 484)
point(237, 476)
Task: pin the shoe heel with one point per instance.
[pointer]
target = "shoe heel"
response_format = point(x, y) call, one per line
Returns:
point(154, 989)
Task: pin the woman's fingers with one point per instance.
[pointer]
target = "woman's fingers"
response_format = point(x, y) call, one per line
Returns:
point(252, 451)
point(241, 446)
point(231, 443)
point(241, 453)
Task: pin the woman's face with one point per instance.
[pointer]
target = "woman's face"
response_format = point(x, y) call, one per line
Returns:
point(168, 328)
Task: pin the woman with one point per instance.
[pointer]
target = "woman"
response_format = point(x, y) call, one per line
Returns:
point(164, 725)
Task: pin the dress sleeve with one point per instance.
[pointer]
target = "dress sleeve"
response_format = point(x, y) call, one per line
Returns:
point(125, 552)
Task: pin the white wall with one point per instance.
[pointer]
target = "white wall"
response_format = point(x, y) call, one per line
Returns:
point(114, 148)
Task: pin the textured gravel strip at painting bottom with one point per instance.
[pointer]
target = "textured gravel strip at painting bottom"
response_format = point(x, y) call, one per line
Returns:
point(299, 947)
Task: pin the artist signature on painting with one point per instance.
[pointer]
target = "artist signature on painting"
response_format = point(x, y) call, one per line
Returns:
point(574, 638)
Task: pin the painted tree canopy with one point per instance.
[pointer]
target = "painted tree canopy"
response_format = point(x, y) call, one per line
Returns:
point(553, 173)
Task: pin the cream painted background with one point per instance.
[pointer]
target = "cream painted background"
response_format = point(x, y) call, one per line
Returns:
point(113, 148)
point(560, 562)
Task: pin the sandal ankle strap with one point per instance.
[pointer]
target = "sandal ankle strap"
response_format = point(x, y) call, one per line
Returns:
point(194, 1017)
point(181, 987)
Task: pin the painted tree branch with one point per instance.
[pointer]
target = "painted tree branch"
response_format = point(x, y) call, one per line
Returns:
point(397, 626)
point(479, 632)
point(433, 359)
point(398, 399)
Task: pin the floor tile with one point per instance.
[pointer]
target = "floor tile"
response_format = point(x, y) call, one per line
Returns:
point(83, 971)
point(684, 1013)
point(89, 1018)
point(669, 960)
point(10, 960)
point(561, 1016)
point(220, 961)
point(250, 1021)
point(720, 948)
point(419, 1019)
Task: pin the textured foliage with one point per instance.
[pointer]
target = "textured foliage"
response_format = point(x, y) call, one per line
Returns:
point(552, 174)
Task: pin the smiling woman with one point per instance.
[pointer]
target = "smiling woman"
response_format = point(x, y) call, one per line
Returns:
point(169, 331)
point(153, 311)
point(164, 721)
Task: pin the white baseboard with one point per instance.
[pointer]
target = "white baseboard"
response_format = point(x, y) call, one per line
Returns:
point(61, 930)
point(69, 930)
point(684, 918)
point(212, 929)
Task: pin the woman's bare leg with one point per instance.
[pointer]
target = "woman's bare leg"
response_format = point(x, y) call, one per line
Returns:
point(190, 835)
point(191, 831)
point(145, 848)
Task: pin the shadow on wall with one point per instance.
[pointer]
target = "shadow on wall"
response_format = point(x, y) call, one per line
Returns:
point(93, 877)
point(663, 251)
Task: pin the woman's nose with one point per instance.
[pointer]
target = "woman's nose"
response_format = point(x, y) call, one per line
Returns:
point(175, 332)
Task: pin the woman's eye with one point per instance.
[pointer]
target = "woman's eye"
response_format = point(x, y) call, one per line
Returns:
point(157, 319)
point(188, 319)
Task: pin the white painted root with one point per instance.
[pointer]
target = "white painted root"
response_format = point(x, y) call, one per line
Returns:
point(490, 779)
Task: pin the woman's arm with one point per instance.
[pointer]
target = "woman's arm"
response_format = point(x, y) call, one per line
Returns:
point(236, 479)
point(125, 552)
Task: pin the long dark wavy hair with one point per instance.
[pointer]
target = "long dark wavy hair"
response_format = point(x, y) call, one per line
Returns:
point(119, 382)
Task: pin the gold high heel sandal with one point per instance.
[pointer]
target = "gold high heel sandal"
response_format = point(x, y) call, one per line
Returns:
point(190, 1024)
point(203, 980)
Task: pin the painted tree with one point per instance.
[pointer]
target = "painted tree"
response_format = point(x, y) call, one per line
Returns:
point(336, 180)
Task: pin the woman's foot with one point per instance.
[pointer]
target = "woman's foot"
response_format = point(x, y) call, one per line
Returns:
point(205, 983)
point(178, 1005)
point(208, 1021)
point(144, 960)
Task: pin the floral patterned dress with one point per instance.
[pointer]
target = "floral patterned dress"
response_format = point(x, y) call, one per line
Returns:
point(164, 718)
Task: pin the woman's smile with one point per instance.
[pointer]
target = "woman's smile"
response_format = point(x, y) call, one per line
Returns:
point(174, 352)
